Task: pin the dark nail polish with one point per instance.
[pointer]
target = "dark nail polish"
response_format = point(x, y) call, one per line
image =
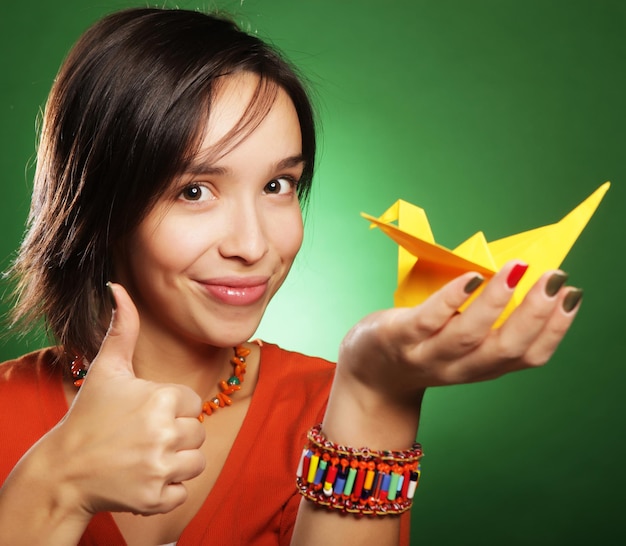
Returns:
point(516, 274)
point(555, 282)
point(572, 299)
point(111, 295)
point(473, 284)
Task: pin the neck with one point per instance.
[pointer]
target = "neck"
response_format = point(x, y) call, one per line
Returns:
point(199, 366)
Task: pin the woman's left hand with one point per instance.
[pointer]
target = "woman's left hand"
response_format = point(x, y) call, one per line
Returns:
point(389, 358)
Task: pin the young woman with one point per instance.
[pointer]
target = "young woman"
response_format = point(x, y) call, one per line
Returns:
point(175, 157)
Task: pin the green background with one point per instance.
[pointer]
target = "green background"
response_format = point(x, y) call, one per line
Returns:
point(492, 115)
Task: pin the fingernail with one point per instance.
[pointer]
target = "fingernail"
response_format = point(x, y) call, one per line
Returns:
point(111, 295)
point(571, 301)
point(555, 282)
point(516, 274)
point(473, 284)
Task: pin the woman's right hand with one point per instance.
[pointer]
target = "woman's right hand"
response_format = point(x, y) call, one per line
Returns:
point(134, 442)
point(126, 444)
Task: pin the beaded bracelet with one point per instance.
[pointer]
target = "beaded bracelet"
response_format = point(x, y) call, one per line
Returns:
point(362, 481)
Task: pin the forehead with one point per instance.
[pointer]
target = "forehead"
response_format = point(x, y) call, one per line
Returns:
point(239, 99)
point(243, 104)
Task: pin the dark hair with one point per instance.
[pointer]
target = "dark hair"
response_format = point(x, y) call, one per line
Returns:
point(123, 117)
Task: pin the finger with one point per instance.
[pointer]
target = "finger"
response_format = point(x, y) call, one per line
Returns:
point(190, 433)
point(528, 338)
point(189, 404)
point(172, 495)
point(170, 400)
point(436, 311)
point(474, 325)
point(119, 344)
point(527, 322)
point(568, 304)
point(187, 464)
point(483, 312)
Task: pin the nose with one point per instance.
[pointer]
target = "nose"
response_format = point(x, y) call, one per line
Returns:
point(244, 235)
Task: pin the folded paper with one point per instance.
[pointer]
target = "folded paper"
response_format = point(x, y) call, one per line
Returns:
point(425, 266)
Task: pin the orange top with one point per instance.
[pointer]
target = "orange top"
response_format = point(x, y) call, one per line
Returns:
point(254, 500)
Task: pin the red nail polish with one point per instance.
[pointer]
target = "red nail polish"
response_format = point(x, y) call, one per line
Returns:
point(516, 274)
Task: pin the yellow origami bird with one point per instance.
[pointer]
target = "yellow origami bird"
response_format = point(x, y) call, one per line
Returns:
point(424, 266)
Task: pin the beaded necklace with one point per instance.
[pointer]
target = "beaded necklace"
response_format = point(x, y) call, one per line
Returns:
point(232, 384)
point(221, 399)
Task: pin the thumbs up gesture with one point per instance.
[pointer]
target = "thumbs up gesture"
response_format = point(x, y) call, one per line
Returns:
point(133, 442)
point(125, 445)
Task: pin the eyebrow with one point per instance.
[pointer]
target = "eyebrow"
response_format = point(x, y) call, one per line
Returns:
point(206, 169)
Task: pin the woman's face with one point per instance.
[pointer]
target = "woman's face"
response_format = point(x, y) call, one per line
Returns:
point(208, 258)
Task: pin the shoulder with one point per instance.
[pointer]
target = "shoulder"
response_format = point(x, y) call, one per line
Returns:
point(31, 387)
point(31, 403)
point(293, 364)
point(32, 367)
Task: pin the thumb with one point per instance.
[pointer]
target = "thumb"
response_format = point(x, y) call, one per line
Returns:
point(116, 352)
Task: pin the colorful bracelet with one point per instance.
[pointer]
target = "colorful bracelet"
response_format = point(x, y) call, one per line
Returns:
point(362, 481)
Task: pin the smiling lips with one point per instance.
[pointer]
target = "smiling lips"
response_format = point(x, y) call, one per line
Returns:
point(237, 290)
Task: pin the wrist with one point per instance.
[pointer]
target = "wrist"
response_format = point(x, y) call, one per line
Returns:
point(361, 415)
point(37, 505)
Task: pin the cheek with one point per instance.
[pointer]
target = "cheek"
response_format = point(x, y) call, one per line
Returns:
point(291, 240)
point(172, 246)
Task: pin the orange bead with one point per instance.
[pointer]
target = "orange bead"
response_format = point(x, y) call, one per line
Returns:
point(224, 399)
point(242, 351)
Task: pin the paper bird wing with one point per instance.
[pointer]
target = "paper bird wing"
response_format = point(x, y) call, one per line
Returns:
point(546, 247)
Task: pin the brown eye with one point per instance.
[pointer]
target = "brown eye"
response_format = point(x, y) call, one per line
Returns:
point(279, 185)
point(192, 193)
point(195, 192)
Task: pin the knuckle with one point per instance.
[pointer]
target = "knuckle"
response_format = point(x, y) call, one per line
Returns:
point(535, 361)
point(149, 500)
point(467, 339)
point(200, 436)
point(449, 377)
point(507, 350)
point(497, 299)
point(198, 463)
point(165, 397)
point(166, 436)
point(540, 313)
point(458, 376)
point(428, 322)
point(558, 330)
point(540, 356)
point(452, 300)
point(159, 471)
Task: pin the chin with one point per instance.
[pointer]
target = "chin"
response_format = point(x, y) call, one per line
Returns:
point(230, 337)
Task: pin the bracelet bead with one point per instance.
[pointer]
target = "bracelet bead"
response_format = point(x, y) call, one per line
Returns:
point(362, 482)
